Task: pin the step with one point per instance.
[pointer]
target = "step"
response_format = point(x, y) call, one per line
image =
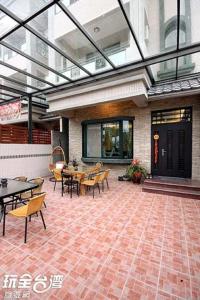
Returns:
point(192, 194)
point(183, 185)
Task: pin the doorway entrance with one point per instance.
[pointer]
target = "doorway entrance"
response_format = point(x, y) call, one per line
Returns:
point(172, 143)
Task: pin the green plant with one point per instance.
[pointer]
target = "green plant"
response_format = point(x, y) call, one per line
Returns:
point(136, 169)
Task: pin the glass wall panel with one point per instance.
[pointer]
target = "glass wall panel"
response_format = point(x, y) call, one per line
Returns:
point(110, 140)
point(62, 32)
point(94, 140)
point(105, 23)
point(154, 23)
point(127, 139)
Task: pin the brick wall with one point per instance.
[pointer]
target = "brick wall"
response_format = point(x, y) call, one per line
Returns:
point(142, 127)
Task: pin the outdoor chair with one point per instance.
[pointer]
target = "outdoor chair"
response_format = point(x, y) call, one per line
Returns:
point(57, 177)
point(33, 206)
point(92, 183)
point(24, 197)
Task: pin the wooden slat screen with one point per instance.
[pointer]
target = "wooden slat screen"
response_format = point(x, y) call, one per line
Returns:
point(10, 134)
point(41, 136)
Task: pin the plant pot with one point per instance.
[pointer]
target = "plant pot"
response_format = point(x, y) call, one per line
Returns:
point(136, 179)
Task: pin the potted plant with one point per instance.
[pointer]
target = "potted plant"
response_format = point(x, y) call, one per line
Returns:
point(136, 172)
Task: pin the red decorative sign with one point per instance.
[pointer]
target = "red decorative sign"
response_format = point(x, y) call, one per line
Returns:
point(156, 138)
point(10, 111)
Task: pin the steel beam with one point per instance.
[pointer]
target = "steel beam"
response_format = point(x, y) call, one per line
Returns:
point(30, 135)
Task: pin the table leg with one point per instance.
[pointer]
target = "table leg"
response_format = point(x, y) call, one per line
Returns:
point(82, 189)
point(1, 211)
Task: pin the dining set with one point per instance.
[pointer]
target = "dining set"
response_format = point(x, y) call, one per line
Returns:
point(81, 179)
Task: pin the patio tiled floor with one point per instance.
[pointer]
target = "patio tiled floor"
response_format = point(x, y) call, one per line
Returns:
point(124, 244)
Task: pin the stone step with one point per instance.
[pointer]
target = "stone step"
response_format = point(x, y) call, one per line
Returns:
point(172, 191)
point(180, 184)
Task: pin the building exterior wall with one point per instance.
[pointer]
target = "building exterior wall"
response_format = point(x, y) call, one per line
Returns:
point(142, 127)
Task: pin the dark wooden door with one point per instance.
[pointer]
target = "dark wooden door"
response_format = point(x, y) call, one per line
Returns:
point(172, 151)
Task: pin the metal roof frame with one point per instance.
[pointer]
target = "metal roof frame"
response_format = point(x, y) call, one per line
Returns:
point(145, 62)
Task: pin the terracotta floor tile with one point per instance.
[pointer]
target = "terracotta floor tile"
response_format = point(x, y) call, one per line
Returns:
point(175, 261)
point(109, 247)
point(138, 290)
point(175, 283)
point(145, 271)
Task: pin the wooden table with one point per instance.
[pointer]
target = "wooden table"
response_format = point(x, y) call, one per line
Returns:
point(82, 170)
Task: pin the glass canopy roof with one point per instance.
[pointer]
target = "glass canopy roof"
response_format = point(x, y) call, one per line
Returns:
point(46, 44)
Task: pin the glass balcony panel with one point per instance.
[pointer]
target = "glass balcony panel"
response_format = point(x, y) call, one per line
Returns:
point(105, 23)
point(62, 32)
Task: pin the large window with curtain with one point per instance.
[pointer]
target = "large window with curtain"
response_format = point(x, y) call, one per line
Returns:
point(108, 138)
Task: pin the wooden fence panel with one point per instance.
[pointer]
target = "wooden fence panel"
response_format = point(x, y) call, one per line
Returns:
point(11, 134)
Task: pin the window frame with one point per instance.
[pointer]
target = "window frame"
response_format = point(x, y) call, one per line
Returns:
point(104, 121)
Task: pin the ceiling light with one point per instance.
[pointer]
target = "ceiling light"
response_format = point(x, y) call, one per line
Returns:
point(96, 29)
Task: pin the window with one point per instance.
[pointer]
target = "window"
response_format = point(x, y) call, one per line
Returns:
point(172, 116)
point(108, 139)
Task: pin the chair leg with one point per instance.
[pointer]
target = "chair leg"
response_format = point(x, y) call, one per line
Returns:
point(4, 219)
point(107, 183)
point(98, 187)
point(102, 186)
point(26, 225)
point(29, 218)
point(45, 205)
point(42, 219)
point(54, 185)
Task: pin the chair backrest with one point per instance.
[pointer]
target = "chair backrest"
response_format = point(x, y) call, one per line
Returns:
point(57, 174)
point(99, 165)
point(20, 178)
point(107, 172)
point(39, 181)
point(102, 176)
point(96, 178)
point(35, 204)
point(80, 176)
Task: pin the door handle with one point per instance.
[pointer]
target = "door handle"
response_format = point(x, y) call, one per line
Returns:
point(163, 151)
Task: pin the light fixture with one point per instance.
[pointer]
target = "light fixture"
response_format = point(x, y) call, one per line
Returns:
point(96, 29)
